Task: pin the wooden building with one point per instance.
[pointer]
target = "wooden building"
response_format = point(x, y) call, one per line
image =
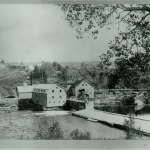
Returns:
point(80, 87)
point(49, 95)
point(24, 92)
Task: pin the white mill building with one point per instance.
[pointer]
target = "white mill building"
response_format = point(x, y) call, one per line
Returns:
point(49, 95)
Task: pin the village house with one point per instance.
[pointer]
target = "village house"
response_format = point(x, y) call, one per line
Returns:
point(24, 92)
point(49, 95)
point(81, 86)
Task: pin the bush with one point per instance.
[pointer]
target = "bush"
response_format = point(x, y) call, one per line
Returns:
point(131, 132)
point(54, 133)
point(24, 104)
point(128, 100)
point(76, 135)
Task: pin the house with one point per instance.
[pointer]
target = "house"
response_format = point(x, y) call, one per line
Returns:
point(81, 87)
point(24, 92)
point(49, 95)
point(29, 68)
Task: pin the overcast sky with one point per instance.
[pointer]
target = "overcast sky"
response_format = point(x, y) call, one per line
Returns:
point(39, 32)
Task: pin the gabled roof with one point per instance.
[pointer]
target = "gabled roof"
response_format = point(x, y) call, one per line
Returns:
point(78, 82)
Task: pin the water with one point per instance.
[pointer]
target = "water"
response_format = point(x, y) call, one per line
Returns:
point(25, 124)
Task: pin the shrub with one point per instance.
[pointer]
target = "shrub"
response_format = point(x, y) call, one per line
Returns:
point(131, 132)
point(128, 100)
point(54, 133)
point(76, 135)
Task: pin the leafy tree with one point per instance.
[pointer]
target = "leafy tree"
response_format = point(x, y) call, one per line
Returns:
point(130, 45)
point(3, 62)
point(36, 71)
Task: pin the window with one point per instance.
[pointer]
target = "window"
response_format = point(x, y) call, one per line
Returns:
point(52, 96)
point(60, 96)
point(59, 101)
point(53, 91)
point(60, 90)
point(82, 84)
point(54, 101)
point(86, 84)
point(56, 87)
point(49, 102)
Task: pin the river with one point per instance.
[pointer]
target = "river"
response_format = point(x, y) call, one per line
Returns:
point(25, 125)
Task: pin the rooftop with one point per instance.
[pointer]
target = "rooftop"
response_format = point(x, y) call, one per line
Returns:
point(45, 86)
point(26, 89)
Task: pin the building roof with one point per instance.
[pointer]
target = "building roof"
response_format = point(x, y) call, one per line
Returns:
point(46, 86)
point(78, 82)
point(25, 89)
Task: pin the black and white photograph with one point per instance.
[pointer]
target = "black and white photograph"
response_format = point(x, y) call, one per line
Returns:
point(74, 71)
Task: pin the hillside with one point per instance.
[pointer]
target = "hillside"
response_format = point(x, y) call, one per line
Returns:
point(9, 79)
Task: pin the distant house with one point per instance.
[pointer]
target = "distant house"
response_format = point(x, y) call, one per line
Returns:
point(49, 95)
point(29, 68)
point(79, 87)
point(24, 92)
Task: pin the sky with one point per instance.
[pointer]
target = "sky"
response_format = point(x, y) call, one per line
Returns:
point(39, 32)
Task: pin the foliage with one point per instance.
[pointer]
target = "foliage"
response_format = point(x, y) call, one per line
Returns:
point(17, 67)
point(3, 62)
point(24, 104)
point(128, 100)
point(76, 135)
point(57, 66)
point(130, 47)
point(130, 130)
point(54, 133)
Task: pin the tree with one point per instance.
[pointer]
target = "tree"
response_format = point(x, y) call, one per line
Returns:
point(128, 46)
point(3, 62)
